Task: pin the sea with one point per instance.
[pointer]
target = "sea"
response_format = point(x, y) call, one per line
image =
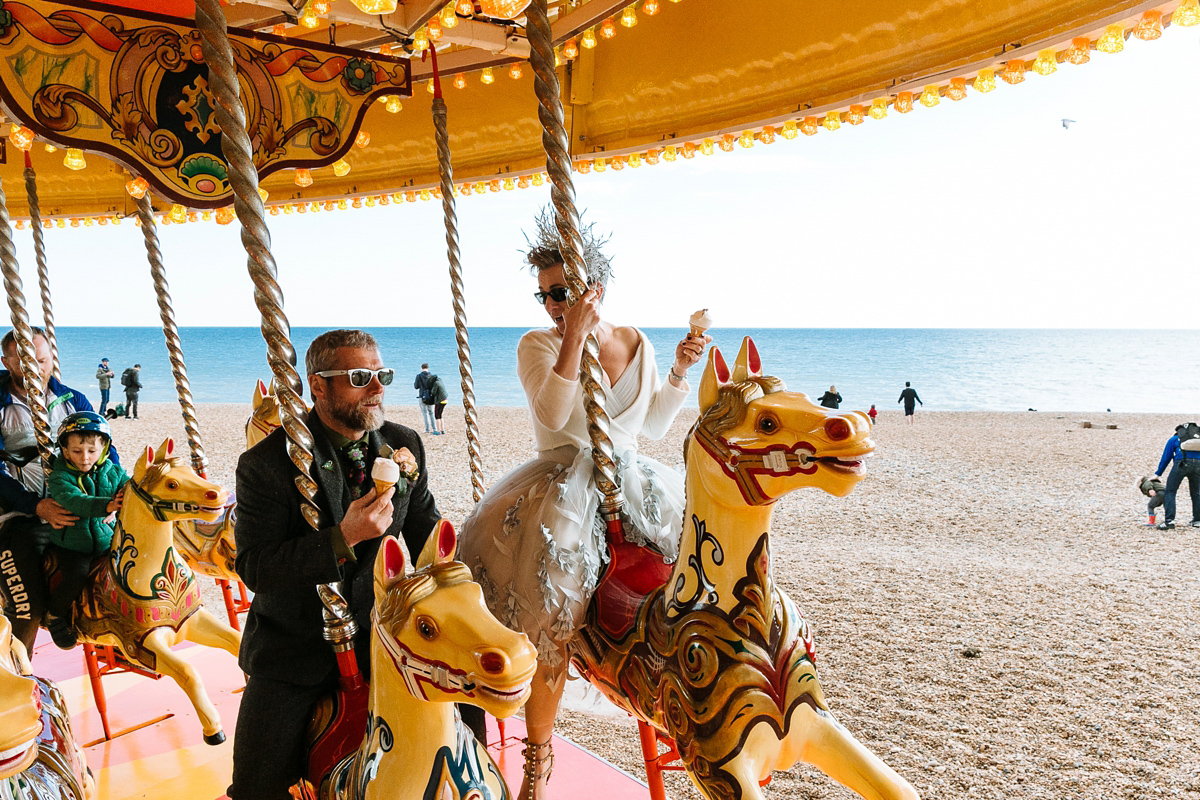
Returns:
point(951, 369)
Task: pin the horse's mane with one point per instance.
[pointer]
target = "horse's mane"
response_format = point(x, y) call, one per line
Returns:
point(395, 606)
point(158, 470)
point(730, 406)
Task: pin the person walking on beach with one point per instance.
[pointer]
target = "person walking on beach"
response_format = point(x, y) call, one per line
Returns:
point(872, 413)
point(131, 380)
point(104, 375)
point(424, 386)
point(831, 399)
point(440, 399)
point(910, 400)
point(1187, 465)
point(283, 559)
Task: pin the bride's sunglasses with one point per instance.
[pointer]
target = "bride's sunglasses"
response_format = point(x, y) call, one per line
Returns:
point(361, 378)
point(557, 294)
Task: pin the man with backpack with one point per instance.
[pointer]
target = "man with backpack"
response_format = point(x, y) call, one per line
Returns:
point(1184, 449)
point(424, 386)
point(133, 384)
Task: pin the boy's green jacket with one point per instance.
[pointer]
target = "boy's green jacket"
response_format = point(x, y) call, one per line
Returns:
point(87, 496)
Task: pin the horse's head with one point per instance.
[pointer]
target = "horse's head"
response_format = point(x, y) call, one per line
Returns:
point(440, 637)
point(20, 706)
point(171, 489)
point(264, 417)
point(755, 442)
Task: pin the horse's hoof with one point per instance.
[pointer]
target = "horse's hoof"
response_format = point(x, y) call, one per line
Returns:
point(214, 738)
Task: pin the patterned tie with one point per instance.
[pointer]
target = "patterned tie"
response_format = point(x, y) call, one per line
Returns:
point(357, 479)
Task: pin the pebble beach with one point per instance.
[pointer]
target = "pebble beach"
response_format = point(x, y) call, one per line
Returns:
point(992, 616)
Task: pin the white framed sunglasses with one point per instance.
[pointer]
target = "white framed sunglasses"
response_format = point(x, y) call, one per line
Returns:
point(361, 377)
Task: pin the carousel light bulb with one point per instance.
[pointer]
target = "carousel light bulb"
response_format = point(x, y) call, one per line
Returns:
point(558, 57)
point(1187, 14)
point(263, 193)
point(855, 114)
point(688, 150)
point(767, 134)
point(903, 103)
point(635, 160)
point(1080, 51)
point(539, 178)
point(727, 142)
point(393, 104)
point(225, 214)
point(178, 214)
point(808, 126)
point(420, 40)
point(608, 28)
point(206, 215)
point(137, 188)
point(509, 184)
point(833, 121)
point(588, 40)
point(985, 81)
point(434, 27)
point(74, 159)
point(376, 6)
point(51, 148)
point(523, 182)
point(287, 208)
point(75, 221)
point(370, 201)
point(274, 210)
point(629, 17)
point(617, 163)
point(480, 188)
point(429, 87)
point(466, 7)
point(1112, 40)
point(356, 202)
point(650, 8)
point(60, 223)
point(449, 17)
point(930, 96)
point(279, 30)
point(1149, 27)
point(746, 139)
point(503, 9)
point(341, 168)
point(308, 17)
point(21, 137)
point(653, 156)
point(383, 201)
point(570, 49)
point(600, 165)
point(304, 177)
point(363, 139)
point(957, 90)
point(487, 76)
point(20, 224)
point(515, 72)
point(1046, 62)
point(460, 81)
point(708, 147)
point(878, 108)
point(1014, 72)
point(385, 49)
point(583, 167)
point(320, 6)
point(342, 205)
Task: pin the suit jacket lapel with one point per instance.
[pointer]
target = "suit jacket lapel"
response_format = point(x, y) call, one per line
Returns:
point(331, 480)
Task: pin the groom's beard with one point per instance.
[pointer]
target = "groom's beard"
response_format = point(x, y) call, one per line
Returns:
point(360, 415)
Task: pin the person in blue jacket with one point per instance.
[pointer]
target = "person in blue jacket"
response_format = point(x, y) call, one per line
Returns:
point(22, 488)
point(1187, 465)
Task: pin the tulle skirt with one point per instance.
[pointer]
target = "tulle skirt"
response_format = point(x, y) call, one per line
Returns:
point(535, 542)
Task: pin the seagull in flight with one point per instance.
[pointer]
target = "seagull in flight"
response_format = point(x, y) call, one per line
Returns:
point(1067, 124)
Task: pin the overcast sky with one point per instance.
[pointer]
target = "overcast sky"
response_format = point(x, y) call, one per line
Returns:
point(984, 213)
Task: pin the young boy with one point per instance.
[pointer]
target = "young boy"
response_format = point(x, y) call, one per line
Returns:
point(90, 485)
point(1155, 489)
point(872, 413)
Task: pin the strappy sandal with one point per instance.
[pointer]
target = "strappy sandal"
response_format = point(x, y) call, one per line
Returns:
point(537, 767)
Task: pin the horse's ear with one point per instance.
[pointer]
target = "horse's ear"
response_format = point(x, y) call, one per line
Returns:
point(149, 456)
point(389, 563)
point(716, 375)
point(748, 364)
point(166, 450)
point(440, 547)
point(260, 393)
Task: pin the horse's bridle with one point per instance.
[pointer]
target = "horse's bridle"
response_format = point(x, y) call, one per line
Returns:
point(158, 506)
point(416, 670)
point(744, 465)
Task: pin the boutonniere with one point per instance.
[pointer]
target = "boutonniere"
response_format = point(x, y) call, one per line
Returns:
point(407, 462)
point(327, 465)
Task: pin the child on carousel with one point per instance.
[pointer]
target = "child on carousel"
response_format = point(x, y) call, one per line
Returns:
point(89, 484)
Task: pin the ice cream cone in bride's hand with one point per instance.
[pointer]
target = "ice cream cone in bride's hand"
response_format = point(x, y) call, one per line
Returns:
point(700, 322)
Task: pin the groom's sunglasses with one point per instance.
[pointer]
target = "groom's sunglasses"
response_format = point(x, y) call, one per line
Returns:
point(361, 378)
point(558, 295)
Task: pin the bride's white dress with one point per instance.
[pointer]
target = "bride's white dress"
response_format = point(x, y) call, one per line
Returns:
point(535, 542)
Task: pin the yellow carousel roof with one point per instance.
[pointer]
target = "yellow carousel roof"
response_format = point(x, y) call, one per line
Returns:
point(655, 79)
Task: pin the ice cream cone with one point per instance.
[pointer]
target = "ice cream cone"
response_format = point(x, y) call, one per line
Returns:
point(700, 322)
point(382, 486)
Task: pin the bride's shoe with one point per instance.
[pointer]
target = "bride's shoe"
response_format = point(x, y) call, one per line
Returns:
point(539, 763)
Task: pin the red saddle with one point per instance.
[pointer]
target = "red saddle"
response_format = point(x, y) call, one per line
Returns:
point(633, 573)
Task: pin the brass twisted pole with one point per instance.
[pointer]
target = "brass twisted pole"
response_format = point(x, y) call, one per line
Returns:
point(566, 217)
point(243, 176)
point(446, 169)
point(166, 312)
point(39, 251)
point(23, 333)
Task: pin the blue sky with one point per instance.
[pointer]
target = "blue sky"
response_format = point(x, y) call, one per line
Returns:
point(983, 213)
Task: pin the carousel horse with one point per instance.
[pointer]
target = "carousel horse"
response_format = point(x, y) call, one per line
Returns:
point(143, 598)
point(434, 643)
point(39, 758)
point(716, 655)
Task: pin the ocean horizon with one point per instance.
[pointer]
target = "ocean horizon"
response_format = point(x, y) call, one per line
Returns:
point(1084, 370)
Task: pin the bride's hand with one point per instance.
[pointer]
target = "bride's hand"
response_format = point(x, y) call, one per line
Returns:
point(689, 351)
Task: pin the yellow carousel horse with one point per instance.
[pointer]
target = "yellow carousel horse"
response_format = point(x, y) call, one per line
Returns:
point(143, 598)
point(434, 643)
point(38, 754)
point(717, 657)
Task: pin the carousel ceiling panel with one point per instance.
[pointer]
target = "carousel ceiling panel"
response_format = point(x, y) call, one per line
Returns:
point(697, 68)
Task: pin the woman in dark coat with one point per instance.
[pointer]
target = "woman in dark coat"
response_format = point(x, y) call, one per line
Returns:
point(831, 399)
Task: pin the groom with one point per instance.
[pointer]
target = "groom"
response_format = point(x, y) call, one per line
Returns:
point(283, 559)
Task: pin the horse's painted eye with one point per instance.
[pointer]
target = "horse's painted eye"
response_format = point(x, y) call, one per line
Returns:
point(767, 423)
point(427, 628)
point(172, 485)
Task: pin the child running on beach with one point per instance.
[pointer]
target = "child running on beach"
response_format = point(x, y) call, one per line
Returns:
point(86, 482)
point(1153, 488)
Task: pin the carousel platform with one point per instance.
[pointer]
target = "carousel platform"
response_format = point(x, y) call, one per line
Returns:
point(156, 752)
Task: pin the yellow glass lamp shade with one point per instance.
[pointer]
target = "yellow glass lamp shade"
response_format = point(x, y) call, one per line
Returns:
point(629, 17)
point(1080, 51)
point(746, 139)
point(1047, 62)
point(1187, 14)
point(1014, 72)
point(225, 215)
point(375, 6)
point(930, 96)
point(363, 139)
point(583, 167)
point(985, 81)
point(600, 165)
point(608, 28)
point(51, 148)
point(178, 214)
point(74, 159)
point(21, 138)
point(767, 135)
point(808, 126)
point(393, 104)
point(308, 17)
point(904, 102)
point(539, 178)
point(504, 9)
point(855, 115)
point(635, 160)
point(588, 40)
point(670, 153)
point(878, 108)
point(1149, 27)
point(957, 90)
point(1112, 40)
point(617, 163)
point(420, 40)
point(449, 17)
point(304, 178)
point(341, 167)
point(708, 147)
point(487, 76)
point(833, 121)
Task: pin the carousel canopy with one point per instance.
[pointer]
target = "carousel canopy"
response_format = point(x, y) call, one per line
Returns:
point(338, 92)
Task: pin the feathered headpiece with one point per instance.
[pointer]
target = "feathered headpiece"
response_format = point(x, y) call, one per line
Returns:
point(545, 248)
